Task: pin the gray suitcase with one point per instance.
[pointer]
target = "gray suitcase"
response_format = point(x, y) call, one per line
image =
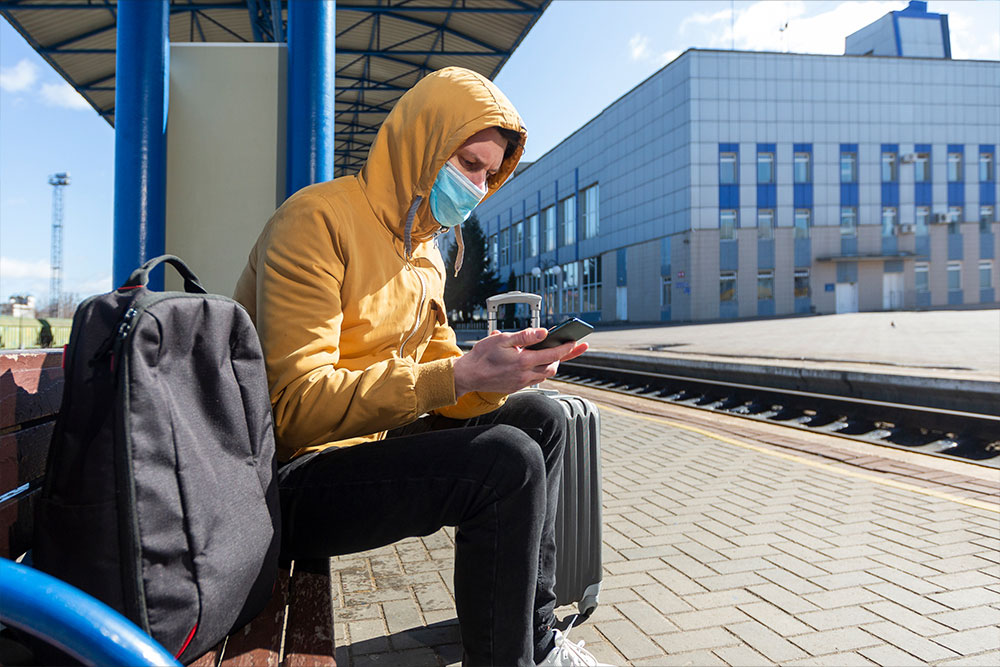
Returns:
point(578, 522)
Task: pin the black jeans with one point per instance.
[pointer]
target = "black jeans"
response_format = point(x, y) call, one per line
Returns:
point(495, 477)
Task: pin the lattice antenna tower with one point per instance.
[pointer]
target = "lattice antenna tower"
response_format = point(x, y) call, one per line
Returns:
point(58, 182)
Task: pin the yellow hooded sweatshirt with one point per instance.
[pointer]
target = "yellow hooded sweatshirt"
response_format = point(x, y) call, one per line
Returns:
point(348, 301)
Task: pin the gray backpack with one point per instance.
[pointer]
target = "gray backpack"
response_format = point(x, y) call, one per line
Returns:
point(160, 496)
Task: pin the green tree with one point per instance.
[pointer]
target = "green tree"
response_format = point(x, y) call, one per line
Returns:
point(477, 280)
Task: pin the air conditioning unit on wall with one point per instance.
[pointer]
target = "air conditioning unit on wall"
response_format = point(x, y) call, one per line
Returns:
point(906, 228)
point(939, 218)
point(908, 158)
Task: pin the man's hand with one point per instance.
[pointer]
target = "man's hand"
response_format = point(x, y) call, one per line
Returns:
point(499, 362)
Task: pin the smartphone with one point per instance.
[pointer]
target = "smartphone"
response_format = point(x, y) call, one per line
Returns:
point(572, 329)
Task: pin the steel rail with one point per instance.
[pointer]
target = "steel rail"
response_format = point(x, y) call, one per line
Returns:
point(955, 434)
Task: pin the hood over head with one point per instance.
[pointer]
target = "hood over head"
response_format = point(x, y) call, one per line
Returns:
point(424, 129)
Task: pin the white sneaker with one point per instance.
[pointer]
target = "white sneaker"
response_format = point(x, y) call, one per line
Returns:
point(567, 654)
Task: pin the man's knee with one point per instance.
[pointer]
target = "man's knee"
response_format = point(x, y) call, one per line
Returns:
point(538, 411)
point(517, 456)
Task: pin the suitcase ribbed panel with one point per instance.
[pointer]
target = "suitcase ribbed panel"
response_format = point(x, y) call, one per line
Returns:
point(578, 522)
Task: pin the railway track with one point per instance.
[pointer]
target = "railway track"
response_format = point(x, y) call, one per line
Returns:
point(917, 420)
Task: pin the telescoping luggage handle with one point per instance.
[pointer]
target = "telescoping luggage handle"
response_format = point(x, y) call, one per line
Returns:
point(534, 302)
point(141, 275)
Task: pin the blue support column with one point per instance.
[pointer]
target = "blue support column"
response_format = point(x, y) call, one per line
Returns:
point(311, 85)
point(141, 68)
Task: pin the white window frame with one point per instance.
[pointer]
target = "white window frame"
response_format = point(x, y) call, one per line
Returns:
point(890, 162)
point(505, 246)
point(726, 214)
point(549, 233)
point(590, 292)
point(729, 158)
point(954, 270)
point(765, 284)
point(848, 214)
point(922, 168)
point(533, 235)
point(765, 231)
point(802, 231)
point(799, 274)
point(569, 294)
point(921, 285)
point(727, 276)
point(954, 167)
point(517, 242)
point(569, 220)
point(765, 159)
point(591, 212)
point(985, 167)
point(799, 159)
point(985, 269)
point(849, 159)
point(890, 221)
point(922, 218)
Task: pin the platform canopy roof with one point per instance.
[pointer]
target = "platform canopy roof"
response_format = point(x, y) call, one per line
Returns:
point(383, 46)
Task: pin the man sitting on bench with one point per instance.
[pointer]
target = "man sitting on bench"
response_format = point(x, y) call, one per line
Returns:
point(345, 285)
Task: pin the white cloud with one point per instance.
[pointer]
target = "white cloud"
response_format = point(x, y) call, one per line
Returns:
point(639, 50)
point(93, 286)
point(666, 57)
point(984, 46)
point(62, 95)
point(21, 76)
point(639, 47)
point(11, 267)
point(759, 27)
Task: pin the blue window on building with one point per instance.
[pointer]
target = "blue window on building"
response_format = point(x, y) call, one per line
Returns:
point(570, 293)
point(954, 167)
point(985, 167)
point(765, 168)
point(549, 229)
point(591, 292)
point(494, 257)
point(920, 272)
point(986, 218)
point(517, 242)
point(802, 167)
point(890, 170)
point(765, 223)
point(800, 287)
point(728, 222)
point(955, 214)
point(889, 221)
point(505, 246)
point(569, 220)
point(848, 167)
point(666, 284)
point(728, 168)
point(985, 274)
point(727, 287)
point(803, 221)
point(533, 235)
point(848, 222)
point(922, 168)
point(922, 219)
point(590, 201)
point(954, 276)
point(765, 285)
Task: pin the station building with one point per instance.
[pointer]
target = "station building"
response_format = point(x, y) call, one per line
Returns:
point(737, 184)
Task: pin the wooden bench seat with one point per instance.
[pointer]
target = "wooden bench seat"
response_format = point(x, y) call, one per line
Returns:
point(295, 628)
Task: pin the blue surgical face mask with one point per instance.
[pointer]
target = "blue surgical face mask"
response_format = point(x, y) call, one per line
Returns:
point(454, 196)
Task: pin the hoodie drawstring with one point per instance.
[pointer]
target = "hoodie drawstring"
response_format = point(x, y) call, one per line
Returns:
point(460, 255)
point(408, 229)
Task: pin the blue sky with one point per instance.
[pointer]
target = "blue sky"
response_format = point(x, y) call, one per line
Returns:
point(579, 57)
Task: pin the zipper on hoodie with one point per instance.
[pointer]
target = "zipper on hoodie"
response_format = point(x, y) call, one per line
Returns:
point(420, 306)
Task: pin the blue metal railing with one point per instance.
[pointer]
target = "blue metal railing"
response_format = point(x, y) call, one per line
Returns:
point(73, 621)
